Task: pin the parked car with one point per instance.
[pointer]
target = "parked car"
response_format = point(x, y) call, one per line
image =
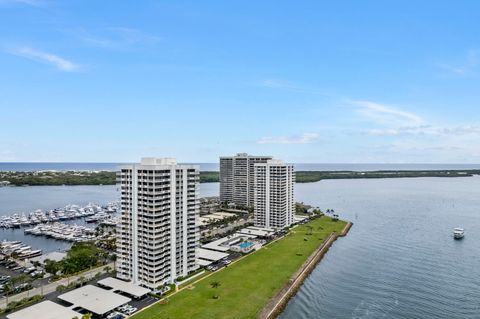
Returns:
point(122, 308)
point(131, 310)
point(29, 270)
point(115, 315)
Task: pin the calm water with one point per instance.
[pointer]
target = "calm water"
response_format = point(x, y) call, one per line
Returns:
point(27, 199)
point(399, 259)
point(214, 166)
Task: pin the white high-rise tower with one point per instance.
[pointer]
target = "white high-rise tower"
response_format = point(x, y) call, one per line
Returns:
point(274, 203)
point(157, 238)
point(237, 178)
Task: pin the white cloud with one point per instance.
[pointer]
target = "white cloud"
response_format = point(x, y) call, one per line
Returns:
point(305, 138)
point(461, 130)
point(414, 139)
point(118, 37)
point(277, 84)
point(26, 2)
point(471, 61)
point(7, 155)
point(387, 115)
point(60, 63)
point(133, 36)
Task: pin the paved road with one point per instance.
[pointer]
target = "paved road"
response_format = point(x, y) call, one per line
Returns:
point(51, 287)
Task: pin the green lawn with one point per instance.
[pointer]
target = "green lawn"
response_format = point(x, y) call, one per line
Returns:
point(246, 286)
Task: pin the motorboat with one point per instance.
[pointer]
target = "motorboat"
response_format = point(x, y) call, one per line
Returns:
point(458, 233)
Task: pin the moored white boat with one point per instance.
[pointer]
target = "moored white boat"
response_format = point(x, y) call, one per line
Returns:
point(458, 233)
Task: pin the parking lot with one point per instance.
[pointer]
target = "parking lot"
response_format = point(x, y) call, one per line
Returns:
point(224, 262)
point(11, 270)
point(135, 304)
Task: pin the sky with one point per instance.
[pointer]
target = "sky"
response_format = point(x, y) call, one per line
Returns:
point(304, 81)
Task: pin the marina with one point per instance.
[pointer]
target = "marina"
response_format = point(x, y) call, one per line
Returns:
point(31, 198)
point(91, 213)
point(18, 250)
point(72, 233)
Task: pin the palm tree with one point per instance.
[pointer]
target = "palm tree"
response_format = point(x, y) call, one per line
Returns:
point(310, 230)
point(113, 257)
point(7, 289)
point(215, 284)
point(12, 283)
point(82, 280)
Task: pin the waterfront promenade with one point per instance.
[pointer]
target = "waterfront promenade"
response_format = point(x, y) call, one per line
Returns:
point(51, 287)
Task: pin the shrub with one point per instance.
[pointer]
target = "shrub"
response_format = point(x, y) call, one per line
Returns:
point(14, 305)
point(61, 288)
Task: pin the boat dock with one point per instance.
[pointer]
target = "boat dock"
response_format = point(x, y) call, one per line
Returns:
point(18, 250)
point(72, 233)
point(91, 213)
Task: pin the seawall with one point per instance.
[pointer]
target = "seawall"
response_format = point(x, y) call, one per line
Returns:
point(276, 305)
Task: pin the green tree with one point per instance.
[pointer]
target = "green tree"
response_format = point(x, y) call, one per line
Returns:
point(22, 278)
point(52, 266)
point(80, 257)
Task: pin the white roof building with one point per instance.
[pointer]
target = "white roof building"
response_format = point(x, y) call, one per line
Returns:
point(94, 299)
point(45, 310)
point(210, 254)
point(256, 231)
point(124, 286)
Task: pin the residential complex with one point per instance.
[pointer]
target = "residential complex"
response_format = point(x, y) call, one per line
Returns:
point(158, 235)
point(237, 178)
point(274, 203)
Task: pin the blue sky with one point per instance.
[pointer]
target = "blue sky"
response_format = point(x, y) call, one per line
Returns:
point(306, 81)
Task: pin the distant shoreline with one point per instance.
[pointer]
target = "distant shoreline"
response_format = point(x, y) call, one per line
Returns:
point(71, 178)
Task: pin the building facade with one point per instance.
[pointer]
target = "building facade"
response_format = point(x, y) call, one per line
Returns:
point(274, 203)
point(157, 238)
point(237, 175)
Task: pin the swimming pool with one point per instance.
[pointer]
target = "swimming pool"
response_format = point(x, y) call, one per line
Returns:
point(245, 244)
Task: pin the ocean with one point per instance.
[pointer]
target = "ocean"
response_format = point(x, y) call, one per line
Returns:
point(32, 166)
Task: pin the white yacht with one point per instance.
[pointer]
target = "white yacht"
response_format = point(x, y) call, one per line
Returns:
point(458, 233)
